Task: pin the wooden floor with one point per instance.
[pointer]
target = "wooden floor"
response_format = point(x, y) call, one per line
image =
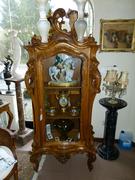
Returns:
point(76, 168)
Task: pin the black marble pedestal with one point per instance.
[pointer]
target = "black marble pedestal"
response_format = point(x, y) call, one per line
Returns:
point(107, 150)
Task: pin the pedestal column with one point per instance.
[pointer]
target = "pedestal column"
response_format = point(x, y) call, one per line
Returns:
point(19, 99)
point(107, 150)
point(24, 134)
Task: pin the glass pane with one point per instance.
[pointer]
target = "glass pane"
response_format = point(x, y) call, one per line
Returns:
point(17, 15)
point(62, 97)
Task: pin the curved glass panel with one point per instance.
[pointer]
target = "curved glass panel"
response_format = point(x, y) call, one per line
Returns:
point(62, 79)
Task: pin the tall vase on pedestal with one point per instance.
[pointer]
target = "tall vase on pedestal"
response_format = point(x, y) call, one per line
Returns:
point(80, 24)
point(43, 24)
point(43, 28)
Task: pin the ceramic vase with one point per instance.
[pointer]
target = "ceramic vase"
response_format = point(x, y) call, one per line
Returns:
point(43, 24)
point(43, 28)
point(80, 24)
point(80, 6)
point(80, 28)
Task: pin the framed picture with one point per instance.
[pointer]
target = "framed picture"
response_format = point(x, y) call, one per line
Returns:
point(117, 35)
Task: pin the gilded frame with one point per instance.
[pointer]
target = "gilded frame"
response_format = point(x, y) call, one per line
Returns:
point(117, 35)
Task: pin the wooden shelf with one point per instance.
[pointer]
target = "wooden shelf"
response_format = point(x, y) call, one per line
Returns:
point(72, 136)
point(61, 115)
point(61, 87)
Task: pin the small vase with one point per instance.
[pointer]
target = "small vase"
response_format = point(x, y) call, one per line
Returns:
point(43, 27)
point(80, 6)
point(80, 27)
point(43, 24)
point(42, 2)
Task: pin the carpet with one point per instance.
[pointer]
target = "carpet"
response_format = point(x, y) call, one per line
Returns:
point(122, 168)
point(25, 167)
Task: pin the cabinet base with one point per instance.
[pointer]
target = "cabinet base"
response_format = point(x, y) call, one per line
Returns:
point(61, 157)
point(107, 153)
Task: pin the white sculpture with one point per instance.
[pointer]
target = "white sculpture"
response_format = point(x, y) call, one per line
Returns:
point(16, 44)
point(63, 69)
point(69, 69)
point(53, 72)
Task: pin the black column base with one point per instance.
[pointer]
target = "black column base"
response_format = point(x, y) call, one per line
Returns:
point(107, 153)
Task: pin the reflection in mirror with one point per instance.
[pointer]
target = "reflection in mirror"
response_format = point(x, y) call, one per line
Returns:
point(71, 8)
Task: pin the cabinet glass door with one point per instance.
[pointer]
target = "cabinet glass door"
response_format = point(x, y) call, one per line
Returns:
point(62, 98)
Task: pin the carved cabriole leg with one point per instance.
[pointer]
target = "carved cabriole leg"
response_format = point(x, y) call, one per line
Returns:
point(91, 151)
point(91, 159)
point(35, 159)
point(35, 156)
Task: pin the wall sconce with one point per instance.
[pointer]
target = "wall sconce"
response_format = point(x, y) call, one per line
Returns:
point(115, 84)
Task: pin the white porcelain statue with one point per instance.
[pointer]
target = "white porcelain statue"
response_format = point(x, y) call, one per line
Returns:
point(63, 69)
point(16, 48)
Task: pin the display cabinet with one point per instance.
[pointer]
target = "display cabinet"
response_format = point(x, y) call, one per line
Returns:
point(62, 80)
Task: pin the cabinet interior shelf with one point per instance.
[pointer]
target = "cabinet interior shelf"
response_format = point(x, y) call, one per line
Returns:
point(72, 136)
point(62, 116)
point(62, 87)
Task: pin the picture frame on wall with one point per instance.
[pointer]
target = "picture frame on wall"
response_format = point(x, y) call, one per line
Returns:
point(117, 35)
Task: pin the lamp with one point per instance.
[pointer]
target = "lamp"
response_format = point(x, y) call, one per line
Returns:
point(115, 84)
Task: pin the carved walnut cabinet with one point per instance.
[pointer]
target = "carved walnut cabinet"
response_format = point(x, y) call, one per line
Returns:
point(62, 80)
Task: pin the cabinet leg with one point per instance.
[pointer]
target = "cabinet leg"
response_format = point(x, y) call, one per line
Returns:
point(91, 159)
point(35, 161)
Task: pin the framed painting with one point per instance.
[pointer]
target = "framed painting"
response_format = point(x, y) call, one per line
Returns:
point(117, 35)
